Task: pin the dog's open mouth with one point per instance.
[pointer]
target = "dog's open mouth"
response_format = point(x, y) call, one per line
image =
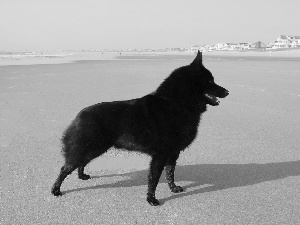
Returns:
point(211, 99)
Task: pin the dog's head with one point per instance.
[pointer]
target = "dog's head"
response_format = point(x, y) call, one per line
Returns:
point(204, 84)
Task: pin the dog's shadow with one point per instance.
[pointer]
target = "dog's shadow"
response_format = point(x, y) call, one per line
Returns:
point(209, 177)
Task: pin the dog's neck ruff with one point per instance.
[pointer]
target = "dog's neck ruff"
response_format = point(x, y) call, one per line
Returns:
point(199, 107)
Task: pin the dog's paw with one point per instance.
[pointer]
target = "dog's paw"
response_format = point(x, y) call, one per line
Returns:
point(56, 192)
point(176, 189)
point(84, 177)
point(152, 201)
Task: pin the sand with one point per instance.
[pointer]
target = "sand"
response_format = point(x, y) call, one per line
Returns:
point(243, 168)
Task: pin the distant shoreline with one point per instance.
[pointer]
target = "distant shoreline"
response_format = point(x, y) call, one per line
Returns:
point(47, 57)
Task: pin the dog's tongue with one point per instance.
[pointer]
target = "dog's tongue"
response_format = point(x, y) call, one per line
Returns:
point(212, 99)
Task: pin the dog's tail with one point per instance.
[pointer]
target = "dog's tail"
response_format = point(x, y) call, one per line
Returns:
point(77, 140)
point(68, 139)
point(73, 141)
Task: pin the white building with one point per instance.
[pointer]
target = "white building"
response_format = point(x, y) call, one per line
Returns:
point(222, 46)
point(201, 48)
point(287, 41)
point(242, 46)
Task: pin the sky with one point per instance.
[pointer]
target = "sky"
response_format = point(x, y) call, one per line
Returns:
point(142, 24)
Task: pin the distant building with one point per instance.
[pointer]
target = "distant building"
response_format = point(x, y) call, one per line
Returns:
point(221, 46)
point(218, 46)
point(213, 48)
point(283, 41)
point(295, 41)
point(242, 46)
point(232, 46)
point(195, 48)
point(286, 41)
point(258, 45)
point(205, 48)
point(295, 44)
point(201, 48)
point(226, 46)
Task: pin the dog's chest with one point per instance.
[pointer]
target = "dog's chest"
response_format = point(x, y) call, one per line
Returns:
point(185, 130)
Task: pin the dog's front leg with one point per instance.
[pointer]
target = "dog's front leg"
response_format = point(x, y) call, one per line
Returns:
point(170, 168)
point(157, 165)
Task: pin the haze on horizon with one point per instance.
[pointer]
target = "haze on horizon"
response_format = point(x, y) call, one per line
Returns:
point(136, 24)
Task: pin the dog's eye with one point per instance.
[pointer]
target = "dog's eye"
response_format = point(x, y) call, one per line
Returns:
point(210, 81)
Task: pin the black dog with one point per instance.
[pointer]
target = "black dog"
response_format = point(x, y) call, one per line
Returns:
point(160, 124)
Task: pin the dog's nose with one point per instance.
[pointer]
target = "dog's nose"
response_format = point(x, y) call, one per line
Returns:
point(226, 92)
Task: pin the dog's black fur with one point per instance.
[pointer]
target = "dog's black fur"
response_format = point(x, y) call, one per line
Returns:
point(160, 124)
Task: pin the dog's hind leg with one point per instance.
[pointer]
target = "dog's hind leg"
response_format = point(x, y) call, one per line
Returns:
point(81, 174)
point(170, 168)
point(64, 172)
point(87, 158)
point(72, 155)
point(85, 161)
point(157, 165)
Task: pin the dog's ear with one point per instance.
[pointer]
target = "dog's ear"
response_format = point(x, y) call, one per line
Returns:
point(197, 63)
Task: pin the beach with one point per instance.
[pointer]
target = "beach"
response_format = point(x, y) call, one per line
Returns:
point(243, 167)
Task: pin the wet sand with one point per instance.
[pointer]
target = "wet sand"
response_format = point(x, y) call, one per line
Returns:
point(243, 168)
